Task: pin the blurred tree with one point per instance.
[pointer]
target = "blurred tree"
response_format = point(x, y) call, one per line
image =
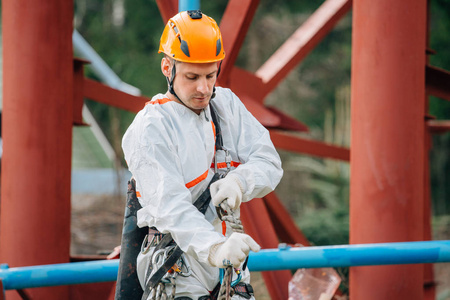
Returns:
point(439, 40)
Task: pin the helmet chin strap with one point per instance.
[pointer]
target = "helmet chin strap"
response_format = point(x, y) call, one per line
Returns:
point(170, 83)
point(217, 76)
point(172, 78)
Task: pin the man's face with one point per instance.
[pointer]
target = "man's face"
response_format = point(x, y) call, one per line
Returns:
point(194, 84)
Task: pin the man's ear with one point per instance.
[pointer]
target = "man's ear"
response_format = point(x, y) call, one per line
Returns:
point(166, 67)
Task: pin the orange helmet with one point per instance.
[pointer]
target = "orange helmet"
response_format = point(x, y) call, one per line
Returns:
point(193, 37)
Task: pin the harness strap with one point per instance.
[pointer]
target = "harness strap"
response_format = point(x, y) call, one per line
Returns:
point(242, 289)
point(219, 140)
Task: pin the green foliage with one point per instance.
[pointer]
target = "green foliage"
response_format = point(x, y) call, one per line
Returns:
point(439, 158)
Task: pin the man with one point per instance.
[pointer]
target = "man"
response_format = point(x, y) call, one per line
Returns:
point(170, 150)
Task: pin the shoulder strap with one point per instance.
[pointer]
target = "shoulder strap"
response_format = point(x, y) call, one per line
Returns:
point(219, 140)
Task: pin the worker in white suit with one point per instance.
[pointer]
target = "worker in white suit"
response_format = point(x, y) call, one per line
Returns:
point(170, 149)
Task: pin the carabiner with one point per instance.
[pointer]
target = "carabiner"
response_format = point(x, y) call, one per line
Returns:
point(184, 263)
point(146, 245)
point(236, 281)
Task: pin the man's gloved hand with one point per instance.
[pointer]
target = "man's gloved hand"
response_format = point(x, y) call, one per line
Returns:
point(233, 251)
point(229, 188)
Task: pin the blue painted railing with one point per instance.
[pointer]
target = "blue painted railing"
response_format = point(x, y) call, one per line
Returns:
point(284, 258)
point(350, 255)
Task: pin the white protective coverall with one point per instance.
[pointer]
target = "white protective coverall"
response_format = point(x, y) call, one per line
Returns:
point(169, 150)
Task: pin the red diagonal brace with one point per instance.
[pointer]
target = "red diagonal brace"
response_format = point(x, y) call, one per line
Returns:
point(287, 122)
point(99, 92)
point(256, 221)
point(285, 227)
point(243, 82)
point(438, 126)
point(264, 116)
point(167, 8)
point(234, 26)
point(302, 42)
point(298, 144)
point(438, 82)
point(78, 79)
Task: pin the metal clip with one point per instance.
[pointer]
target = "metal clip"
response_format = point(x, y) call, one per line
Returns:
point(184, 263)
point(227, 160)
point(146, 245)
point(234, 282)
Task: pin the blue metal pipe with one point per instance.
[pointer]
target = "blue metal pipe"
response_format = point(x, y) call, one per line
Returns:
point(59, 274)
point(350, 255)
point(188, 5)
point(284, 258)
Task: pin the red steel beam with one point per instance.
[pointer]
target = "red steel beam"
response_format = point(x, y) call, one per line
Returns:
point(438, 82)
point(243, 82)
point(167, 8)
point(78, 79)
point(256, 220)
point(285, 227)
point(438, 126)
point(287, 122)
point(387, 136)
point(264, 116)
point(37, 135)
point(251, 91)
point(298, 144)
point(99, 92)
point(234, 26)
point(304, 39)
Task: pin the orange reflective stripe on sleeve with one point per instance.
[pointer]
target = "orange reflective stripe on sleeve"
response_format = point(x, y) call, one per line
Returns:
point(197, 180)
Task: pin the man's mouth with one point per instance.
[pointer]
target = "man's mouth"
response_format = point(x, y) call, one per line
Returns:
point(201, 98)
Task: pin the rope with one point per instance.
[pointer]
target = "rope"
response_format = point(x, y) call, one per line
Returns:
point(227, 215)
point(160, 291)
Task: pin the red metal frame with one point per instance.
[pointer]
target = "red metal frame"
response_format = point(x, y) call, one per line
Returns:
point(438, 82)
point(37, 150)
point(253, 88)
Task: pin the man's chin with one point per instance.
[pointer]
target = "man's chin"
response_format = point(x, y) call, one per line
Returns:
point(200, 103)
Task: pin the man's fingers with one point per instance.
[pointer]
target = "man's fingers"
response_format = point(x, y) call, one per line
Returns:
point(218, 197)
point(252, 244)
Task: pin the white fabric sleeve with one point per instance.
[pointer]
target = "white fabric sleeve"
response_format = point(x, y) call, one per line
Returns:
point(260, 169)
point(167, 203)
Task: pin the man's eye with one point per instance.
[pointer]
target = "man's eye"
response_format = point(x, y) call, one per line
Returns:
point(191, 78)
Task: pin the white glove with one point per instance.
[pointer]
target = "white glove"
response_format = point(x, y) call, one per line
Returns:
point(228, 188)
point(233, 251)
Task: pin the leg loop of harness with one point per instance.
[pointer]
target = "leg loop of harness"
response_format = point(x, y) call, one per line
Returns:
point(242, 289)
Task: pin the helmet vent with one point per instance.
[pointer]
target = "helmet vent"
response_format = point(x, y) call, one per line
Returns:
point(184, 47)
point(218, 47)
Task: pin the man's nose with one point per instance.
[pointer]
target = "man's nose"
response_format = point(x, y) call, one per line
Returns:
point(202, 86)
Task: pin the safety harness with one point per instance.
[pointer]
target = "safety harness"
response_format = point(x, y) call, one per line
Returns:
point(167, 260)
